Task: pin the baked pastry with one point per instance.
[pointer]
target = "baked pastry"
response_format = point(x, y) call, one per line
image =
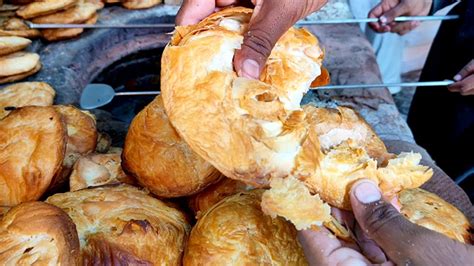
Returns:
point(37, 233)
point(25, 94)
point(96, 170)
point(249, 130)
point(17, 27)
point(81, 140)
point(99, 4)
point(236, 232)
point(335, 125)
point(430, 211)
point(63, 34)
point(44, 7)
point(18, 63)
point(160, 160)
point(205, 199)
point(11, 44)
point(140, 4)
point(32, 146)
point(76, 14)
point(21, 76)
point(125, 225)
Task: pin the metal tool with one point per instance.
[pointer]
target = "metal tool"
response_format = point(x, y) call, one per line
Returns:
point(170, 25)
point(97, 95)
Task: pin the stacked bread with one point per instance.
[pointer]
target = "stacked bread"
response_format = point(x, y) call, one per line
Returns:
point(135, 4)
point(16, 64)
point(110, 215)
point(61, 12)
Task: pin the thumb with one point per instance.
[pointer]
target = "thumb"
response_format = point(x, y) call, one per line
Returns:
point(269, 22)
point(402, 241)
point(397, 11)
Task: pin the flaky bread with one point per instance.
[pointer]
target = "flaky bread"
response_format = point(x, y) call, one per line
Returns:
point(140, 4)
point(160, 160)
point(37, 233)
point(25, 94)
point(76, 14)
point(63, 34)
point(11, 44)
point(44, 7)
point(236, 232)
point(96, 170)
point(18, 63)
point(205, 199)
point(123, 225)
point(337, 125)
point(428, 210)
point(249, 130)
point(21, 75)
point(81, 140)
point(32, 147)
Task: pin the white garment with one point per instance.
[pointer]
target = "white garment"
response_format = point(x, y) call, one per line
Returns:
point(388, 47)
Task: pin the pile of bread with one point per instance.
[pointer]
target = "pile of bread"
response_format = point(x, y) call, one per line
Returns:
point(16, 64)
point(241, 156)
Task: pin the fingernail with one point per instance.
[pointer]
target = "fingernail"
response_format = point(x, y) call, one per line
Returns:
point(250, 69)
point(457, 77)
point(367, 192)
point(383, 20)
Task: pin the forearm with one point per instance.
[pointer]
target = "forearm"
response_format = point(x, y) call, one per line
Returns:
point(440, 184)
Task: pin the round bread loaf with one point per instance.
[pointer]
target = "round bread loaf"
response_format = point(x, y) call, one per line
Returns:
point(161, 161)
point(11, 44)
point(32, 147)
point(236, 232)
point(37, 233)
point(44, 7)
point(125, 226)
point(249, 130)
point(428, 210)
point(18, 63)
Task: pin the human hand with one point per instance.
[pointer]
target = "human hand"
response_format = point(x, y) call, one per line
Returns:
point(384, 236)
point(270, 20)
point(464, 80)
point(388, 10)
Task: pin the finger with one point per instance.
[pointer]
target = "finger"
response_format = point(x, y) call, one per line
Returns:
point(376, 12)
point(466, 71)
point(268, 23)
point(402, 241)
point(465, 86)
point(193, 11)
point(394, 11)
point(322, 248)
point(404, 27)
point(369, 247)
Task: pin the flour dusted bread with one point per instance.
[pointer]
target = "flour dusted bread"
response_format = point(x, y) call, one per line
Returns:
point(96, 170)
point(161, 161)
point(124, 225)
point(249, 130)
point(25, 94)
point(32, 147)
point(236, 232)
point(44, 7)
point(428, 210)
point(37, 233)
point(12, 44)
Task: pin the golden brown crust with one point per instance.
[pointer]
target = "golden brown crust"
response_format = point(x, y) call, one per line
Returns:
point(205, 199)
point(44, 7)
point(131, 223)
point(430, 211)
point(81, 140)
point(21, 76)
point(249, 130)
point(236, 232)
point(11, 44)
point(334, 126)
point(160, 160)
point(64, 34)
point(76, 14)
point(140, 4)
point(37, 233)
point(32, 146)
point(18, 63)
point(98, 169)
point(25, 94)
point(17, 27)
